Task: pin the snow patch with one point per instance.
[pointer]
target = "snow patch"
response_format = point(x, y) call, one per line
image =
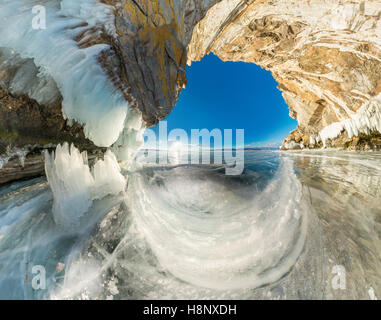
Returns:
point(4, 161)
point(10, 153)
point(372, 294)
point(92, 12)
point(343, 15)
point(331, 132)
point(26, 79)
point(292, 145)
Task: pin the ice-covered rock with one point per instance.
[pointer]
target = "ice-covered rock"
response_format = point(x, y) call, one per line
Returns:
point(365, 120)
point(89, 97)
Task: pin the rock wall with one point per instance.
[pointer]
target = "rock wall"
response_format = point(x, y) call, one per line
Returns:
point(152, 43)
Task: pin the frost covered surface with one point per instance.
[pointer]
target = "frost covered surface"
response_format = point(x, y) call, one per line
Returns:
point(131, 139)
point(20, 153)
point(365, 120)
point(75, 185)
point(27, 79)
point(3, 161)
point(92, 11)
point(88, 96)
point(215, 243)
point(180, 232)
point(293, 145)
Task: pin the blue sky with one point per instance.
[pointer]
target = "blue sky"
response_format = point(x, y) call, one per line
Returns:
point(232, 95)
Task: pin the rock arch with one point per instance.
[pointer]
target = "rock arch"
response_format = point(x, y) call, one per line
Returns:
point(325, 55)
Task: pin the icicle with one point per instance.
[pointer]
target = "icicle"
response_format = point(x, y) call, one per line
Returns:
point(366, 120)
point(74, 186)
point(88, 95)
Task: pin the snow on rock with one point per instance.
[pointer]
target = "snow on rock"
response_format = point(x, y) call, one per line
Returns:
point(75, 185)
point(88, 96)
point(21, 153)
point(27, 80)
point(92, 12)
point(292, 145)
point(330, 132)
point(365, 120)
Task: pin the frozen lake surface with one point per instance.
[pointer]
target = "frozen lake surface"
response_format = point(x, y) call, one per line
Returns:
point(294, 225)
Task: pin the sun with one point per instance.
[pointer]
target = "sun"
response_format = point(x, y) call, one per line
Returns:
point(177, 146)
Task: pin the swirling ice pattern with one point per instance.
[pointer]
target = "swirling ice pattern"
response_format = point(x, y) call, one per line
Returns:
point(209, 234)
point(192, 232)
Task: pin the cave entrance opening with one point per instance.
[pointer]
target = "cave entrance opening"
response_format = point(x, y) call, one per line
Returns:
point(232, 95)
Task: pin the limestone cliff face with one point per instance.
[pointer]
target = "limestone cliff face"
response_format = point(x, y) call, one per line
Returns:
point(325, 55)
point(152, 44)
